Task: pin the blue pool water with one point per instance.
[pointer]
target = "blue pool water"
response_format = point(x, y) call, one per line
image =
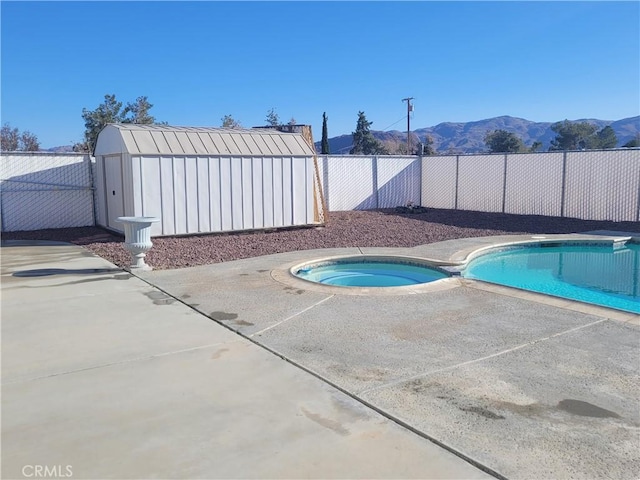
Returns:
point(369, 274)
point(607, 275)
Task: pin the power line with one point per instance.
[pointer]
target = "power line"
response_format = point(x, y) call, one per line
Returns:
point(383, 130)
point(397, 121)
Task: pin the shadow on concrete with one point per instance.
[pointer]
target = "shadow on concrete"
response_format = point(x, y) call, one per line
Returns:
point(45, 272)
point(75, 235)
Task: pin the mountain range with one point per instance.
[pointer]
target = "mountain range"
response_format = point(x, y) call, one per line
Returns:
point(468, 137)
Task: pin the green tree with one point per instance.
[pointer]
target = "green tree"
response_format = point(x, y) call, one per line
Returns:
point(535, 146)
point(634, 142)
point(427, 146)
point(229, 122)
point(111, 111)
point(11, 140)
point(604, 139)
point(500, 141)
point(572, 135)
point(364, 143)
point(138, 112)
point(273, 119)
point(325, 136)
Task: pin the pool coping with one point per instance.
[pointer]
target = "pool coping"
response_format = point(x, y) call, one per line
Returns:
point(465, 255)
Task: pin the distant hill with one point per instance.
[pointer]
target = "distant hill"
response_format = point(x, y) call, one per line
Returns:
point(62, 148)
point(449, 137)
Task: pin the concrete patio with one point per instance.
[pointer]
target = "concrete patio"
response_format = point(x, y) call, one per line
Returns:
point(233, 371)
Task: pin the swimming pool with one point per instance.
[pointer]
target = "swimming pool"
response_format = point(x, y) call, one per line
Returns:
point(606, 274)
point(369, 271)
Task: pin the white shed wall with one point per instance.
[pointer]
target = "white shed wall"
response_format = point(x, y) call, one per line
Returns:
point(196, 194)
point(114, 192)
point(100, 193)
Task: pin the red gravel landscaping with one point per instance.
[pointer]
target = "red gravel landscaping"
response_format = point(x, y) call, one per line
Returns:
point(372, 228)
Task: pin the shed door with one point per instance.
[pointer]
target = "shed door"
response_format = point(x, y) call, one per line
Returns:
point(113, 190)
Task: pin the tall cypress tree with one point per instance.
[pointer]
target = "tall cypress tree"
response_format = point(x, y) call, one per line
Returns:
point(364, 143)
point(325, 136)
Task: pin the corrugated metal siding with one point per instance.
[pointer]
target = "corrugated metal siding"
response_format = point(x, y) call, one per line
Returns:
point(100, 195)
point(202, 200)
point(136, 178)
point(278, 187)
point(128, 193)
point(130, 144)
point(144, 141)
point(197, 194)
point(160, 142)
point(167, 140)
point(113, 190)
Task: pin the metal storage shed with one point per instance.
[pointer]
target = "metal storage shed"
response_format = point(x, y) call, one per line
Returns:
point(200, 180)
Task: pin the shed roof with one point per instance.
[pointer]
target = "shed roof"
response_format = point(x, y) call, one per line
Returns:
point(168, 140)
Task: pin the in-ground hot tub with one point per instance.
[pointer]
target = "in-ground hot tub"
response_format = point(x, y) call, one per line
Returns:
point(369, 271)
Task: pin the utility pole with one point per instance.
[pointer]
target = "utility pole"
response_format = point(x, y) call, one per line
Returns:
point(409, 110)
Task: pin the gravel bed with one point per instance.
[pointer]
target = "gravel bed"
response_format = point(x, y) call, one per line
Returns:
point(372, 228)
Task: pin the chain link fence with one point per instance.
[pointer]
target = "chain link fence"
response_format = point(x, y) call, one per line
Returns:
point(602, 185)
point(359, 182)
point(45, 190)
point(590, 185)
point(52, 190)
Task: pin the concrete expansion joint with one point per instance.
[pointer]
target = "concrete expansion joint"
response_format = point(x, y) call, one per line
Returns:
point(260, 332)
point(478, 360)
point(397, 420)
point(123, 362)
point(192, 349)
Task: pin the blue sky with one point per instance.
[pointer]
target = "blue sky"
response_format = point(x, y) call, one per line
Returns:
point(199, 61)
